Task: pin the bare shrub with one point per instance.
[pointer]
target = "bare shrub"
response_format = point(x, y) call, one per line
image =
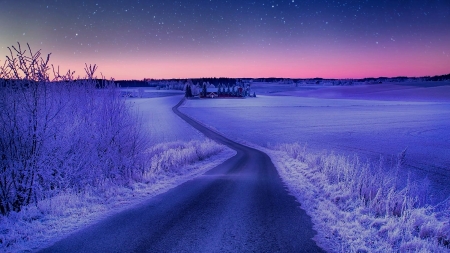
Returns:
point(61, 134)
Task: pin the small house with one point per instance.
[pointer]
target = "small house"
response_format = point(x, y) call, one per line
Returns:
point(212, 92)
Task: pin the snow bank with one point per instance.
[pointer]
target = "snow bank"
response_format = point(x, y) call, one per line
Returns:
point(356, 208)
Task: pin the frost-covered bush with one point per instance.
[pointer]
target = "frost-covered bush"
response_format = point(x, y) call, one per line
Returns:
point(167, 158)
point(371, 209)
point(62, 133)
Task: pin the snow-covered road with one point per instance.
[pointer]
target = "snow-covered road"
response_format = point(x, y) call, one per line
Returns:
point(239, 206)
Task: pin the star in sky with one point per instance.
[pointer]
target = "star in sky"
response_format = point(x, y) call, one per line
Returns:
point(205, 38)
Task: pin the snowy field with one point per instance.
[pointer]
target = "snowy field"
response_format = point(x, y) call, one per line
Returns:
point(368, 120)
point(160, 122)
point(405, 91)
point(148, 92)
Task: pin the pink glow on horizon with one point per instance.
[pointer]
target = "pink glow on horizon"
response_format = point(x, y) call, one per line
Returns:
point(343, 64)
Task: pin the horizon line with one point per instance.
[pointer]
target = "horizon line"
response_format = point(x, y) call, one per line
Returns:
point(288, 78)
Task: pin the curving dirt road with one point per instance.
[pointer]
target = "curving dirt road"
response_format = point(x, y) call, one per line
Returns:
point(239, 206)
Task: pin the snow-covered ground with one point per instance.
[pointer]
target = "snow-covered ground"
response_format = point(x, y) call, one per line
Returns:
point(364, 126)
point(173, 141)
point(371, 123)
point(404, 91)
point(148, 92)
point(390, 92)
point(160, 122)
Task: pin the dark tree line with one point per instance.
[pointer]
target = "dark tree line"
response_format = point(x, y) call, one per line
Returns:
point(439, 78)
point(188, 93)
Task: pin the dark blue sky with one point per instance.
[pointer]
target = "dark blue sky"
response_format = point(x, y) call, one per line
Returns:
point(288, 38)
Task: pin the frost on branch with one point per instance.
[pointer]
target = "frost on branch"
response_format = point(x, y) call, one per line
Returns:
point(61, 134)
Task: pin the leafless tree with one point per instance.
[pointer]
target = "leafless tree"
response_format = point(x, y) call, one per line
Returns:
point(58, 135)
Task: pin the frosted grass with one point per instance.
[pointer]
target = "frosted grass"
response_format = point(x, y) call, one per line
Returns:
point(172, 164)
point(355, 207)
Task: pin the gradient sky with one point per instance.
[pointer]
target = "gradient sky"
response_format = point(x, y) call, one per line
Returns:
point(139, 39)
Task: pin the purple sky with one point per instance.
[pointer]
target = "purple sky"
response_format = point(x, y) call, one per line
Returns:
point(235, 38)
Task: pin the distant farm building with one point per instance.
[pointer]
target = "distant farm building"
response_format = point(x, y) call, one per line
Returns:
point(207, 90)
point(212, 92)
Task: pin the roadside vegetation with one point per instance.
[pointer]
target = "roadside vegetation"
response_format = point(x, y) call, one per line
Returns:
point(70, 147)
point(357, 206)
